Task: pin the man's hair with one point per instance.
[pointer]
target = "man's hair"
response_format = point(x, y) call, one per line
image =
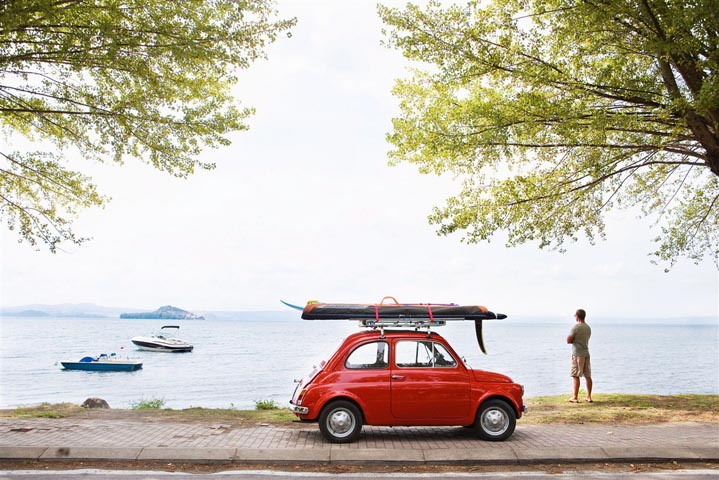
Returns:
point(581, 314)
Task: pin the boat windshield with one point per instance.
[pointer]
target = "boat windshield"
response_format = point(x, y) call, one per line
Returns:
point(167, 332)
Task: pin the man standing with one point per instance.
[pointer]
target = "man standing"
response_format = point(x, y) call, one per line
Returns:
point(579, 338)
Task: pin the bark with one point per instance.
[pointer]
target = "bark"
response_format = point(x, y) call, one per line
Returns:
point(706, 138)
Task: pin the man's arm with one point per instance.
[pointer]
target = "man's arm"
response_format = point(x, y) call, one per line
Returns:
point(572, 333)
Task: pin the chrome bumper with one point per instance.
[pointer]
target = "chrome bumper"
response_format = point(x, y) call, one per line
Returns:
point(298, 410)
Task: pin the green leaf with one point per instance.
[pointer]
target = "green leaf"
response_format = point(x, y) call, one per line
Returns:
point(553, 113)
point(144, 79)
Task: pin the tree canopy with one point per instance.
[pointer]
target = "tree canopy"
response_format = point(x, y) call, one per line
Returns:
point(554, 112)
point(114, 79)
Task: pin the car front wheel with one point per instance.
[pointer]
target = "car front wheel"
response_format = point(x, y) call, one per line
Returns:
point(341, 422)
point(495, 420)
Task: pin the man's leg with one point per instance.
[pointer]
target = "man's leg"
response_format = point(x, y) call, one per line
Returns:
point(574, 373)
point(588, 377)
point(575, 388)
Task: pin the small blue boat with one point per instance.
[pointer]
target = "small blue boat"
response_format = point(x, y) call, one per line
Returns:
point(103, 363)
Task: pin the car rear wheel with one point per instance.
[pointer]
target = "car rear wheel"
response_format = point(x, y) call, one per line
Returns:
point(340, 422)
point(495, 420)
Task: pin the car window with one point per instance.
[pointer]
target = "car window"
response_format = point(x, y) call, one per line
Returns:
point(369, 355)
point(422, 354)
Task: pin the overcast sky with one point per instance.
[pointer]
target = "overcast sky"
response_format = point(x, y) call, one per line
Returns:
point(304, 206)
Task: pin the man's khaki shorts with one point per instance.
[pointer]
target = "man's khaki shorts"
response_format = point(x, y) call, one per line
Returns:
point(581, 367)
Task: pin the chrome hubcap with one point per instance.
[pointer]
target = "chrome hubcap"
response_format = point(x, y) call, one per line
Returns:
point(340, 422)
point(495, 422)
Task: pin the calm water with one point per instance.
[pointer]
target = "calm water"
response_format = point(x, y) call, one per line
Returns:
point(236, 363)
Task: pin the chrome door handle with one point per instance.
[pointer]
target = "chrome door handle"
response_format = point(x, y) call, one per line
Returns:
point(397, 377)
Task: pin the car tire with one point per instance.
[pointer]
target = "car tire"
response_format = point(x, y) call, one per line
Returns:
point(495, 420)
point(340, 422)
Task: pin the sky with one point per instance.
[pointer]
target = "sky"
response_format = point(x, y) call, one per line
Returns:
point(304, 206)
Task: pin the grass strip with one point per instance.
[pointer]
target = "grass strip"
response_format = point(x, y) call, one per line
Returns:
point(611, 408)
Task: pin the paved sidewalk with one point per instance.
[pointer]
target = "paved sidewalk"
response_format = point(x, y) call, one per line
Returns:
point(82, 439)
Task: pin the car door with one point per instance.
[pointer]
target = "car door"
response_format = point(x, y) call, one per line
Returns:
point(428, 385)
point(365, 377)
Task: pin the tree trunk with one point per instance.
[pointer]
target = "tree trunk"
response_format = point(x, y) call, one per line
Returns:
point(706, 138)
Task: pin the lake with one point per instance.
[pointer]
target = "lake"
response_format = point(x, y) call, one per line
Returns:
point(236, 363)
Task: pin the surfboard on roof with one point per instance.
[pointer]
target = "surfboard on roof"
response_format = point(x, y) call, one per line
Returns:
point(395, 314)
point(345, 311)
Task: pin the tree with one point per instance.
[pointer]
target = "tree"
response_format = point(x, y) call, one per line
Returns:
point(555, 112)
point(114, 79)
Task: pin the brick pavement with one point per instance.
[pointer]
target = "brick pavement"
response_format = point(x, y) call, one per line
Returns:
point(697, 440)
point(89, 433)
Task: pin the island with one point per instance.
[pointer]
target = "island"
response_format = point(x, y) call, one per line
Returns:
point(167, 312)
point(29, 314)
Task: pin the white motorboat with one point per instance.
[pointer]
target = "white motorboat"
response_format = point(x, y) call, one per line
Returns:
point(164, 341)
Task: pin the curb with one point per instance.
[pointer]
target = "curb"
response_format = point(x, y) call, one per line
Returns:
point(508, 456)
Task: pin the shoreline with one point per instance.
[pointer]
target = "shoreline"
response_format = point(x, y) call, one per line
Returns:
point(607, 408)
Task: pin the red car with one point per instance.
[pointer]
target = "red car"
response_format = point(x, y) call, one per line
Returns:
point(404, 378)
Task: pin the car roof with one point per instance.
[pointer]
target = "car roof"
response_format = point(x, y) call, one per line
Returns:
point(392, 334)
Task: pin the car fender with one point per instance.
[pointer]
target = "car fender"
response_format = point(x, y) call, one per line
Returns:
point(328, 397)
point(499, 394)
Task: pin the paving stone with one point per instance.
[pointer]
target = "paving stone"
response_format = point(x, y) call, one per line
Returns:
point(378, 456)
point(34, 438)
point(706, 453)
point(638, 454)
point(32, 453)
point(188, 454)
point(563, 453)
point(285, 455)
point(502, 456)
point(94, 453)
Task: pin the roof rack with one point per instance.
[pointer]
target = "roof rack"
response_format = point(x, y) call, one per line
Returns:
point(415, 323)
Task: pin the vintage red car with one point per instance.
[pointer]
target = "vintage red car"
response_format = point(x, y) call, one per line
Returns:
point(404, 378)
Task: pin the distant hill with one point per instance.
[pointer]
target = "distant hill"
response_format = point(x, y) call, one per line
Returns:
point(251, 315)
point(31, 314)
point(73, 310)
point(91, 310)
point(168, 312)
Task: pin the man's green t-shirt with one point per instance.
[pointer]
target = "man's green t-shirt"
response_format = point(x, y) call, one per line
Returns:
point(581, 333)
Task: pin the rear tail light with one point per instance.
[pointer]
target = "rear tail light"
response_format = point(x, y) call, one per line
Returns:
point(301, 396)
